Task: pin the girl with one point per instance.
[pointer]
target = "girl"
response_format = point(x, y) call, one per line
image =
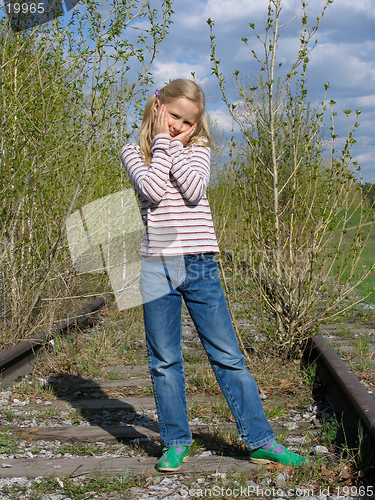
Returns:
point(170, 170)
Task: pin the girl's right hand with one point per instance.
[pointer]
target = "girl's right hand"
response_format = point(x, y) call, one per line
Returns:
point(160, 122)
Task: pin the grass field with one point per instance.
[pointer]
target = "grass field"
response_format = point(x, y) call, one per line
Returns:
point(367, 258)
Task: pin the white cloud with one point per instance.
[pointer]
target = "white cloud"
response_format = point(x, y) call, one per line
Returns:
point(364, 158)
point(349, 53)
point(367, 163)
point(365, 101)
point(230, 10)
point(366, 7)
point(343, 56)
point(223, 119)
point(165, 71)
point(233, 10)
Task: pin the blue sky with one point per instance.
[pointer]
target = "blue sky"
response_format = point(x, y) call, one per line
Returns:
point(344, 57)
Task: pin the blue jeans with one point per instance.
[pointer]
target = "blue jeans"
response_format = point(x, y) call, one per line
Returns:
point(195, 278)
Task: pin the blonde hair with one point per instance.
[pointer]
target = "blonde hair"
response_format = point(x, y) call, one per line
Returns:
point(175, 89)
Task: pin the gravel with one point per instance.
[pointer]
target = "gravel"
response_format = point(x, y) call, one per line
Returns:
point(174, 487)
point(21, 411)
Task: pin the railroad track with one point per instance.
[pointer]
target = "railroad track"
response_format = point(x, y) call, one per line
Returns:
point(19, 360)
point(344, 392)
point(104, 416)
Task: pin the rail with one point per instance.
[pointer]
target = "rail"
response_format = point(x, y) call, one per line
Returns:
point(19, 360)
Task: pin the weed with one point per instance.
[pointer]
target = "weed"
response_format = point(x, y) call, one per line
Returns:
point(366, 452)
point(363, 345)
point(45, 414)
point(276, 411)
point(149, 391)
point(358, 352)
point(77, 488)
point(9, 415)
point(7, 442)
point(25, 386)
point(75, 415)
point(222, 410)
point(308, 375)
point(197, 410)
point(112, 375)
point(301, 398)
point(311, 481)
point(196, 447)
point(203, 379)
point(330, 431)
point(342, 330)
point(193, 359)
point(90, 368)
point(348, 440)
point(45, 389)
point(109, 343)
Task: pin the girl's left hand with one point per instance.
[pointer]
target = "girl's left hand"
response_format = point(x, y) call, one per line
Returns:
point(185, 136)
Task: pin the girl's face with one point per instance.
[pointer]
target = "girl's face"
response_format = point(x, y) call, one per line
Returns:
point(182, 113)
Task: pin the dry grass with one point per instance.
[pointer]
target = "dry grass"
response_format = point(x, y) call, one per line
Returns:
point(117, 339)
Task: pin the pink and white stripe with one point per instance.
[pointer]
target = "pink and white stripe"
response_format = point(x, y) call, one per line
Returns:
point(172, 193)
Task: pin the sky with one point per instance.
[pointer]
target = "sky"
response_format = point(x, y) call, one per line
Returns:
point(344, 57)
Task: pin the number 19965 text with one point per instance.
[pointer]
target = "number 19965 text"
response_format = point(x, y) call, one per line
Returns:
point(25, 8)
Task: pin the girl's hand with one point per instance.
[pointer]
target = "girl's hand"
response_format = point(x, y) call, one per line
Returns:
point(185, 136)
point(160, 122)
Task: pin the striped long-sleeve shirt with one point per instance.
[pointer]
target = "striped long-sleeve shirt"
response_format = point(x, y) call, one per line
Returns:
point(172, 193)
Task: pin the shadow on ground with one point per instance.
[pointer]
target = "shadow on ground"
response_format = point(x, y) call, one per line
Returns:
point(123, 421)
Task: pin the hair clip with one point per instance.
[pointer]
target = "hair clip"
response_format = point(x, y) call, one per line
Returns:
point(157, 93)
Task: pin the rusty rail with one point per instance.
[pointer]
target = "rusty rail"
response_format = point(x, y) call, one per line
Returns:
point(19, 360)
point(360, 401)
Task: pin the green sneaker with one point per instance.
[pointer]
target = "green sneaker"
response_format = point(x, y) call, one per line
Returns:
point(170, 460)
point(261, 456)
